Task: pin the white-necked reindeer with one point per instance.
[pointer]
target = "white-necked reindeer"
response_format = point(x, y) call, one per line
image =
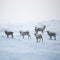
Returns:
point(38, 36)
point(9, 33)
point(40, 29)
point(23, 33)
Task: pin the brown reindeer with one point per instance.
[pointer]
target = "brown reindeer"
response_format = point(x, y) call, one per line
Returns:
point(9, 33)
point(23, 33)
point(51, 34)
point(40, 29)
point(38, 36)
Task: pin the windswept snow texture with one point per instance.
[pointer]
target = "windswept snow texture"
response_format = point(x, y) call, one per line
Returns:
point(28, 49)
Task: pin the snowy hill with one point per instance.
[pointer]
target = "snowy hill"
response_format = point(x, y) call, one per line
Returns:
point(28, 49)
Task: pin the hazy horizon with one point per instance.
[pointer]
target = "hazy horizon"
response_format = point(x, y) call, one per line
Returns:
point(29, 11)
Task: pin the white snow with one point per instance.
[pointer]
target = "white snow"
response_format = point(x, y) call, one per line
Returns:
point(28, 49)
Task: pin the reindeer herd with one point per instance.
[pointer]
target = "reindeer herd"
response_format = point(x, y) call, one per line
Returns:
point(38, 36)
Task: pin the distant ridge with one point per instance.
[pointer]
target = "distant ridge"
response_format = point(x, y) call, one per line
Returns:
point(52, 25)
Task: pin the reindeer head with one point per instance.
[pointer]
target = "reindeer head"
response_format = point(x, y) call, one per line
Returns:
point(35, 34)
point(5, 31)
point(20, 32)
point(48, 32)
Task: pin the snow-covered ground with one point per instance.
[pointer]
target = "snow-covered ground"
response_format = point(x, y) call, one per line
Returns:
point(28, 49)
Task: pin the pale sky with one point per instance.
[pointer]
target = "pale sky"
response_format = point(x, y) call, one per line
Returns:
point(12, 11)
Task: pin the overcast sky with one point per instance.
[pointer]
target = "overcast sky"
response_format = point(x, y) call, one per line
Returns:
point(12, 11)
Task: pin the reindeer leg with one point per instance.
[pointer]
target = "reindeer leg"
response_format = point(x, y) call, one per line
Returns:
point(12, 35)
point(42, 31)
point(50, 37)
point(23, 36)
point(55, 37)
point(30, 36)
point(42, 40)
point(37, 39)
point(7, 35)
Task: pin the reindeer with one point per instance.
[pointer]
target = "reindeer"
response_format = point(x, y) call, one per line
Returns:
point(23, 33)
point(38, 36)
point(40, 29)
point(9, 33)
point(51, 34)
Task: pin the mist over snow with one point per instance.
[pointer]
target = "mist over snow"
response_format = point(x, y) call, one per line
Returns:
point(17, 48)
point(25, 15)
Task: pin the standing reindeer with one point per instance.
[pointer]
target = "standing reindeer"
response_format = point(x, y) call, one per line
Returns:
point(9, 33)
point(40, 29)
point(38, 36)
point(25, 33)
point(51, 34)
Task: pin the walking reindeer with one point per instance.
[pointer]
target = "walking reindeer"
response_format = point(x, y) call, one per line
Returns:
point(23, 33)
point(38, 36)
point(40, 29)
point(9, 33)
point(51, 34)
